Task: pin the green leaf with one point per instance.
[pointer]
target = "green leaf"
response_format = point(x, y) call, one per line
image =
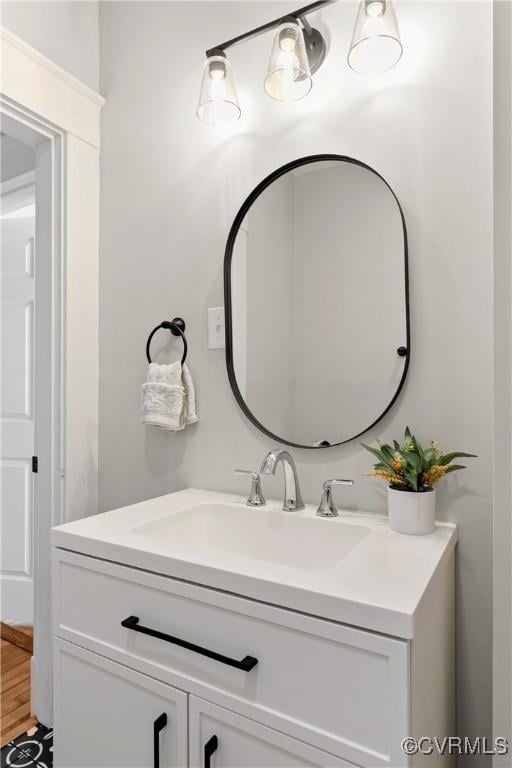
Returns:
point(447, 458)
point(412, 458)
point(412, 479)
point(388, 452)
point(381, 456)
point(378, 454)
point(454, 468)
point(375, 451)
point(407, 432)
point(429, 458)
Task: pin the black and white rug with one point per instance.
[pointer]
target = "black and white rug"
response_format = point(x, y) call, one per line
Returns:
point(33, 749)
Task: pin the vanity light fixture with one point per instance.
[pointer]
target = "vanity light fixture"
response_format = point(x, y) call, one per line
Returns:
point(218, 100)
point(376, 44)
point(289, 74)
point(298, 51)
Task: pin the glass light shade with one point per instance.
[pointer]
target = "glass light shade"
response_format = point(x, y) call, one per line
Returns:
point(218, 100)
point(376, 44)
point(289, 76)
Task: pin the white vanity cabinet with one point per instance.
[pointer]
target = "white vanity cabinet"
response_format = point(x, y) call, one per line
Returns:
point(276, 687)
point(107, 716)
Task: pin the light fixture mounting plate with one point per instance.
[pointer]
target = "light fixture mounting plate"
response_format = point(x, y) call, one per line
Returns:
point(315, 48)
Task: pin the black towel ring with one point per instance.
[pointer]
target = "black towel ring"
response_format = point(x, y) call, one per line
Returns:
point(177, 327)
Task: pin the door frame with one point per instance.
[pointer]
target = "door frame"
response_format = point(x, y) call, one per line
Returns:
point(61, 114)
point(48, 385)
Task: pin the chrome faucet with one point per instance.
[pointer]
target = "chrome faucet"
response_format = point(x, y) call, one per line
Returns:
point(292, 496)
point(256, 497)
point(327, 506)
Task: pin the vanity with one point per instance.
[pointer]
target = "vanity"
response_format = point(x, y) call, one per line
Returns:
point(193, 630)
point(209, 630)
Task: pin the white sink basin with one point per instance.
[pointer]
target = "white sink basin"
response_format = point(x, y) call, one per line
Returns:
point(267, 535)
point(352, 568)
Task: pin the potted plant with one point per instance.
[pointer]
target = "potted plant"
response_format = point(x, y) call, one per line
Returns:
point(411, 472)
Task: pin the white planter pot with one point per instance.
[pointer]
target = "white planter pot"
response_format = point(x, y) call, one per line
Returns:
point(412, 513)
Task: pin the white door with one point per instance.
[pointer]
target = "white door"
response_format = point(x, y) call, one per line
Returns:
point(108, 716)
point(221, 739)
point(17, 272)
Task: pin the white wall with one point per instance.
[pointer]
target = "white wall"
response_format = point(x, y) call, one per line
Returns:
point(17, 158)
point(171, 187)
point(66, 31)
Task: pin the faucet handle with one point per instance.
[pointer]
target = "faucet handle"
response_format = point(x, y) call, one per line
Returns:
point(330, 483)
point(256, 497)
point(327, 506)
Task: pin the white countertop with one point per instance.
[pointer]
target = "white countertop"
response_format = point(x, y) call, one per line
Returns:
point(377, 584)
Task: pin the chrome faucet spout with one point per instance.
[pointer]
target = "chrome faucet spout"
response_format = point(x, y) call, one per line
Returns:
point(292, 495)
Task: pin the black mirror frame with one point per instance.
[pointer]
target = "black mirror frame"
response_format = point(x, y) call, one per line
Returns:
point(228, 256)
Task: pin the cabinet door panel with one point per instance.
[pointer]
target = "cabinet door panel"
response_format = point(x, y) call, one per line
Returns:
point(237, 742)
point(105, 715)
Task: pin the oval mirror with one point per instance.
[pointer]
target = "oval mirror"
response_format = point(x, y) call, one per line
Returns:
point(316, 296)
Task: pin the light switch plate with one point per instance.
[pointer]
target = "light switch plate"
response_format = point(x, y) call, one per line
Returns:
point(216, 334)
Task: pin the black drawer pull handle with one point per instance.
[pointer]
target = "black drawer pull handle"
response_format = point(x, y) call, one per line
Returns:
point(209, 748)
point(246, 664)
point(158, 725)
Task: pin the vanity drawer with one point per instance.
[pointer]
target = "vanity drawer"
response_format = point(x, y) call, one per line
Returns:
point(345, 688)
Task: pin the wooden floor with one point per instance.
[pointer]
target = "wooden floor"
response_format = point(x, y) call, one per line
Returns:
point(15, 653)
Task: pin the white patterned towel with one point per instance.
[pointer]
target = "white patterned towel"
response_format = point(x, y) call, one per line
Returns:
point(168, 397)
